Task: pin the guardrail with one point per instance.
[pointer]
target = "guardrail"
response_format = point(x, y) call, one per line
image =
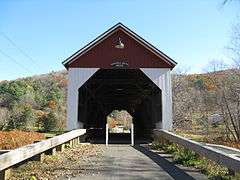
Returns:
point(230, 161)
point(36, 150)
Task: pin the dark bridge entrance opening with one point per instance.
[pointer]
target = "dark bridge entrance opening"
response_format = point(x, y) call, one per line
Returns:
point(128, 89)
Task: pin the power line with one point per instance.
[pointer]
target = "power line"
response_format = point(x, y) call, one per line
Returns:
point(16, 62)
point(19, 49)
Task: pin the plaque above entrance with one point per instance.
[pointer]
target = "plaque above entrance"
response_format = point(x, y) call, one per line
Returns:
point(119, 64)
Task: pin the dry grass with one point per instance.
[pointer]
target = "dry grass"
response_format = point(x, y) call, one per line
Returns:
point(15, 138)
point(213, 137)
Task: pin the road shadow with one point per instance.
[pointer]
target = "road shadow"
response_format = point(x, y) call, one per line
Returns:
point(117, 138)
point(174, 171)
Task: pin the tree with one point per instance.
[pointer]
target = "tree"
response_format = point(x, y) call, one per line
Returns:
point(49, 122)
point(215, 66)
point(182, 99)
point(229, 103)
point(235, 45)
point(4, 116)
point(12, 91)
point(21, 117)
point(224, 2)
point(227, 95)
point(229, 91)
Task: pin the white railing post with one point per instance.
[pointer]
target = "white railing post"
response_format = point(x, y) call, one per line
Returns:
point(106, 134)
point(132, 134)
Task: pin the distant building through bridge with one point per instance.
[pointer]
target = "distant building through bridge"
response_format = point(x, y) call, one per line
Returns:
point(119, 70)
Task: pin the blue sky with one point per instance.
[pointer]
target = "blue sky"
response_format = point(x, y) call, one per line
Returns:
point(192, 32)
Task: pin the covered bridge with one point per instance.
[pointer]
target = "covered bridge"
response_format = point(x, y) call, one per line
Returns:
point(119, 70)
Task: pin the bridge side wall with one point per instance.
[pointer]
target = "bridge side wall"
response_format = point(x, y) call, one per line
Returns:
point(162, 78)
point(76, 78)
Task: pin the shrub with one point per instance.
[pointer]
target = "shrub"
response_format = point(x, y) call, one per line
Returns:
point(185, 157)
point(212, 169)
point(171, 148)
point(155, 145)
point(50, 122)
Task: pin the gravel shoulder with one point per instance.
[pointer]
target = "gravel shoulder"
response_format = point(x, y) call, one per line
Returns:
point(70, 163)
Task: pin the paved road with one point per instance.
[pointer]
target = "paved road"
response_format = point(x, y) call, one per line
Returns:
point(126, 162)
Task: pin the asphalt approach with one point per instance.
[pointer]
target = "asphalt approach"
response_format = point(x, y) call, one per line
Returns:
point(127, 162)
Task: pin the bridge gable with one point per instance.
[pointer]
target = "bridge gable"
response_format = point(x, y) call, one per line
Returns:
point(103, 53)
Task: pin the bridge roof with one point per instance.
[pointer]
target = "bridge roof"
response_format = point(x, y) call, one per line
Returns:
point(102, 52)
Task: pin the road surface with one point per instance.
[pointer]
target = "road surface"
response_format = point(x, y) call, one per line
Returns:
point(127, 162)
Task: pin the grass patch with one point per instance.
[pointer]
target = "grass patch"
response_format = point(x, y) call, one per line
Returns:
point(190, 158)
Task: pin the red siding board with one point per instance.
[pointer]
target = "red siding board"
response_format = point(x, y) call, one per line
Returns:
point(105, 53)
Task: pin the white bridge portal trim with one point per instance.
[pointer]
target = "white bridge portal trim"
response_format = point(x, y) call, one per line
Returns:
point(162, 78)
point(76, 78)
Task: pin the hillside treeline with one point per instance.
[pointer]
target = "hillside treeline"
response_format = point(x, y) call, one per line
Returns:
point(34, 103)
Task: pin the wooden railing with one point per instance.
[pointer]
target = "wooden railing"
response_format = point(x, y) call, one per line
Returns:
point(231, 161)
point(49, 146)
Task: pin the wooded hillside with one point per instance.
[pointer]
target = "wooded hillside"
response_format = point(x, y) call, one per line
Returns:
point(39, 102)
point(34, 103)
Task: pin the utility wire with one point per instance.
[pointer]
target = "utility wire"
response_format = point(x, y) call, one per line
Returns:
point(19, 49)
point(16, 62)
